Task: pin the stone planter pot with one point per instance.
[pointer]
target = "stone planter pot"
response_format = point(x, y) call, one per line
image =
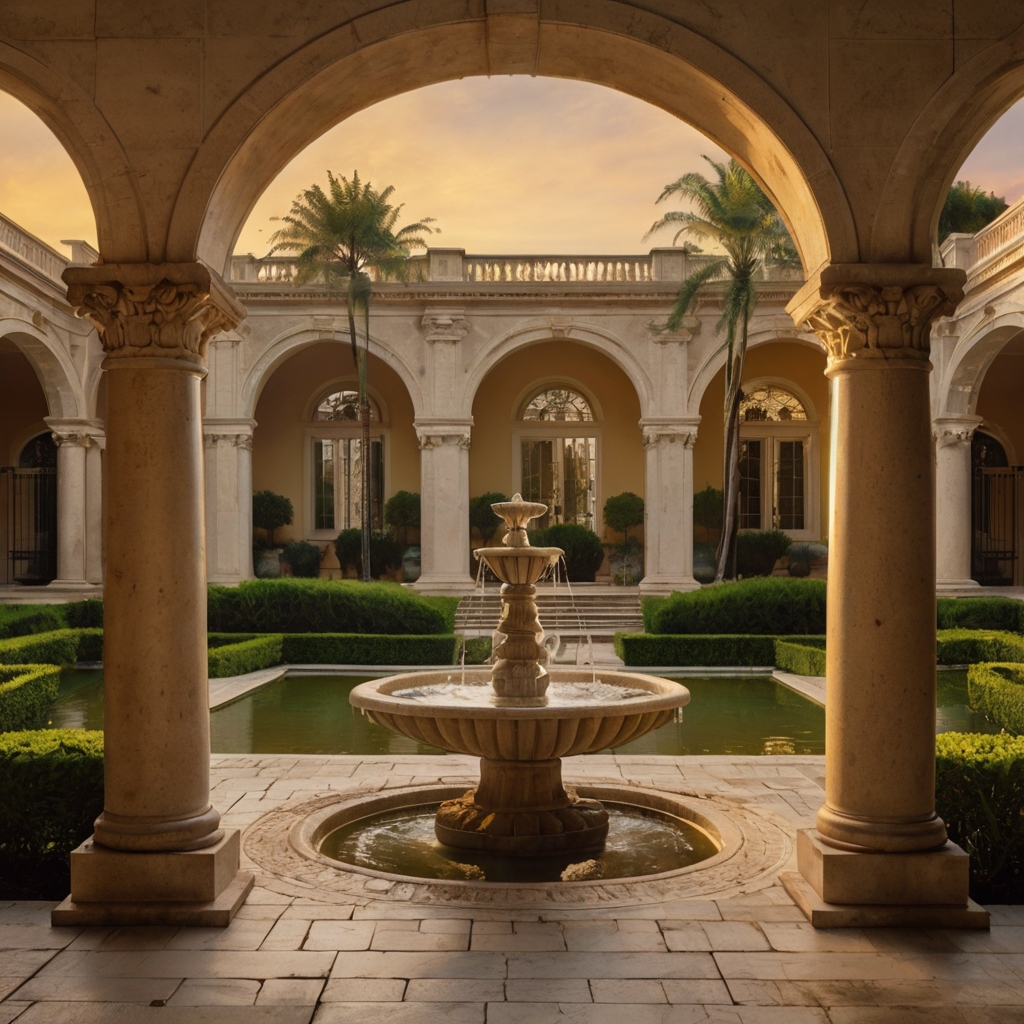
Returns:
point(266, 563)
point(411, 564)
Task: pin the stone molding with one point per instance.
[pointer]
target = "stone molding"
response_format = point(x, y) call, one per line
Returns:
point(437, 440)
point(868, 314)
point(949, 432)
point(168, 310)
point(72, 439)
point(444, 325)
point(238, 440)
point(73, 433)
point(661, 335)
point(657, 432)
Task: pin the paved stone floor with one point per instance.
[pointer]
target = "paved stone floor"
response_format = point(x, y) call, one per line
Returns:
point(739, 955)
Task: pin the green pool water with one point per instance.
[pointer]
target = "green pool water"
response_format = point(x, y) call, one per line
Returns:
point(312, 715)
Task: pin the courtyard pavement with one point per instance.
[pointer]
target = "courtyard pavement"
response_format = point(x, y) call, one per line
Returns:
point(725, 949)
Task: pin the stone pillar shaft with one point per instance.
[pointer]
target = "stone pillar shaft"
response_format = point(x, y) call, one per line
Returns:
point(72, 445)
point(229, 499)
point(444, 529)
point(953, 502)
point(94, 510)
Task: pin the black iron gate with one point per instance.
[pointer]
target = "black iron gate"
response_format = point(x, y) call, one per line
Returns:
point(995, 531)
point(30, 501)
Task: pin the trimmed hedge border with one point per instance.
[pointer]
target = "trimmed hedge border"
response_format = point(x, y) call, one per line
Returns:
point(802, 659)
point(367, 649)
point(59, 647)
point(27, 692)
point(248, 656)
point(52, 794)
point(23, 619)
point(979, 794)
point(719, 650)
point(969, 646)
point(997, 690)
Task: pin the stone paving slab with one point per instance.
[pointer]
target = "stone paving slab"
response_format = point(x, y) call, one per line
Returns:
point(296, 954)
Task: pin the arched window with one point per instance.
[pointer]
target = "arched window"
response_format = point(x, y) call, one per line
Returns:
point(776, 461)
point(558, 455)
point(994, 489)
point(337, 463)
point(343, 407)
point(558, 405)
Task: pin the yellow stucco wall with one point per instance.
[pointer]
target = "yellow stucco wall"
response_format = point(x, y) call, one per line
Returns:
point(1001, 401)
point(787, 361)
point(22, 402)
point(621, 454)
point(283, 413)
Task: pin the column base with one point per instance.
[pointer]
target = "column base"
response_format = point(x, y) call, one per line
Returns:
point(445, 584)
point(944, 585)
point(849, 889)
point(72, 585)
point(865, 915)
point(119, 887)
point(663, 583)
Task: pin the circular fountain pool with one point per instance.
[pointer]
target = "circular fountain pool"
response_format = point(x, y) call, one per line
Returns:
point(641, 841)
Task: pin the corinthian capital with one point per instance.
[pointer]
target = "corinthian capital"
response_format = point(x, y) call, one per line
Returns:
point(865, 313)
point(153, 309)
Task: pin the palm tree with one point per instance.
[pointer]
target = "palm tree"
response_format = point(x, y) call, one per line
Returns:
point(339, 236)
point(968, 209)
point(733, 212)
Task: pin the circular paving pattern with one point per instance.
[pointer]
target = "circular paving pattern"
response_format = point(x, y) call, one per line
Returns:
point(282, 847)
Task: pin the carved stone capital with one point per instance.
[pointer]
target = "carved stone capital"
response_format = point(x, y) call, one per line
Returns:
point(461, 440)
point(72, 439)
point(168, 310)
point(950, 432)
point(444, 325)
point(669, 431)
point(873, 314)
point(661, 335)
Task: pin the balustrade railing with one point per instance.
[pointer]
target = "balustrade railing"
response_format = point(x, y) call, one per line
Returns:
point(1005, 229)
point(30, 249)
point(557, 268)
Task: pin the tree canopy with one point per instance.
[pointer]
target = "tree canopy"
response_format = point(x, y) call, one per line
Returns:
point(968, 209)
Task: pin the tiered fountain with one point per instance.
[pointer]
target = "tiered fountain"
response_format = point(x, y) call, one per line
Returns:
point(521, 719)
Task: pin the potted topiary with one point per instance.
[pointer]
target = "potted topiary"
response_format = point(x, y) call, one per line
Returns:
point(402, 514)
point(622, 512)
point(302, 558)
point(270, 511)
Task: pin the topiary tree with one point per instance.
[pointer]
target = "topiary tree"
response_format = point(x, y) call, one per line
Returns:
point(303, 558)
point(757, 551)
point(402, 513)
point(583, 549)
point(271, 511)
point(481, 515)
point(707, 510)
point(624, 511)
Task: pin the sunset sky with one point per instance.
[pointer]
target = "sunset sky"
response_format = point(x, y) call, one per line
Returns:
point(505, 165)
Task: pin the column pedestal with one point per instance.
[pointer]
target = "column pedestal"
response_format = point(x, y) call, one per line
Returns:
point(444, 519)
point(668, 506)
point(878, 840)
point(953, 502)
point(141, 863)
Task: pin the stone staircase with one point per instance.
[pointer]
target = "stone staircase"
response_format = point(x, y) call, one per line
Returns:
point(601, 611)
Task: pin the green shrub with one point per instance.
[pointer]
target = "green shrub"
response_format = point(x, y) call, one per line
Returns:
point(1000, 613)
point(776, 606)
point(757, 551)
point(360, 649)
point(84, 614)
point(645, 650)
point(385, 551)
point(648, 607)
point(979, 794)
point(968, 646)
point(402, 514)
point(482, 517)
point(27, 692)
point(59, 647)
point(708, 509)
point(348, 548)
point(624, 511)
point(303, 558)
point(446, 606)
point(478, 650)
point(805, 659)
point(271, 511)
point(583, 549)
point(997, 690)
point(52, 793)
point(223, 639)
point(90, 645)
point(321, 606)
point(247, 656)
point(25, 619)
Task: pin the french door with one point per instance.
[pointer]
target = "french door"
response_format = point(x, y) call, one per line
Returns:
point(773, 483)
point(561, 472)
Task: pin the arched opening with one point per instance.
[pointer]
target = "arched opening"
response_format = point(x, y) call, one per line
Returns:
point(307, 445)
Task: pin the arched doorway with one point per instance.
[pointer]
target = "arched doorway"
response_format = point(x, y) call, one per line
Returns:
point(995, 504)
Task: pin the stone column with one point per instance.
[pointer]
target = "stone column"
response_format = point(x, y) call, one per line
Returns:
point(668, 505)
point(94, 506)
point(158, 842)
point(953, 501)
point(878, 839)
point(228, 499)
point(444, 521)
point(73, 440)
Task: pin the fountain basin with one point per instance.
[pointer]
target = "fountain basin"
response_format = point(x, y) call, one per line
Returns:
point(519, 566)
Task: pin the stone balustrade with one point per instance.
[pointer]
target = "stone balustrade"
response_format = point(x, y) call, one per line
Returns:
point(29, 249)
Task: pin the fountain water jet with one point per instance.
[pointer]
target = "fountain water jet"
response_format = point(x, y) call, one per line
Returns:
point(521, 719)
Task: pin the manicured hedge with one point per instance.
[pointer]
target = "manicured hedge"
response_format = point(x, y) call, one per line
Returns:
point(649, 607)
point(23, 619)
point(52, 793)
point(27, 692)
point(997, 690)
point(363, 649)
point(59, 647)
point(979, 793)
point(968, 646)
point(742, 650)
point(248, 656)
point(84, 614)
point(804, 659)
point(1000, 613)
point(321, 606)
point(478, 650)
point(772, 606)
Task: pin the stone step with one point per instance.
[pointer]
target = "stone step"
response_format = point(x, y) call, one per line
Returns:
point(580, 613)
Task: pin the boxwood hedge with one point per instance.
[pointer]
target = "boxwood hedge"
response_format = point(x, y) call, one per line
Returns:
point(997, 690)
point(644, 650)
point(968, 646)
point(1002, 613)
point(59, 647)
point(804, 658)
point(27, 692)
point(23, 619)
point(979, 793)
point(363, 649)
point(52, 793)
point(249, 655)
